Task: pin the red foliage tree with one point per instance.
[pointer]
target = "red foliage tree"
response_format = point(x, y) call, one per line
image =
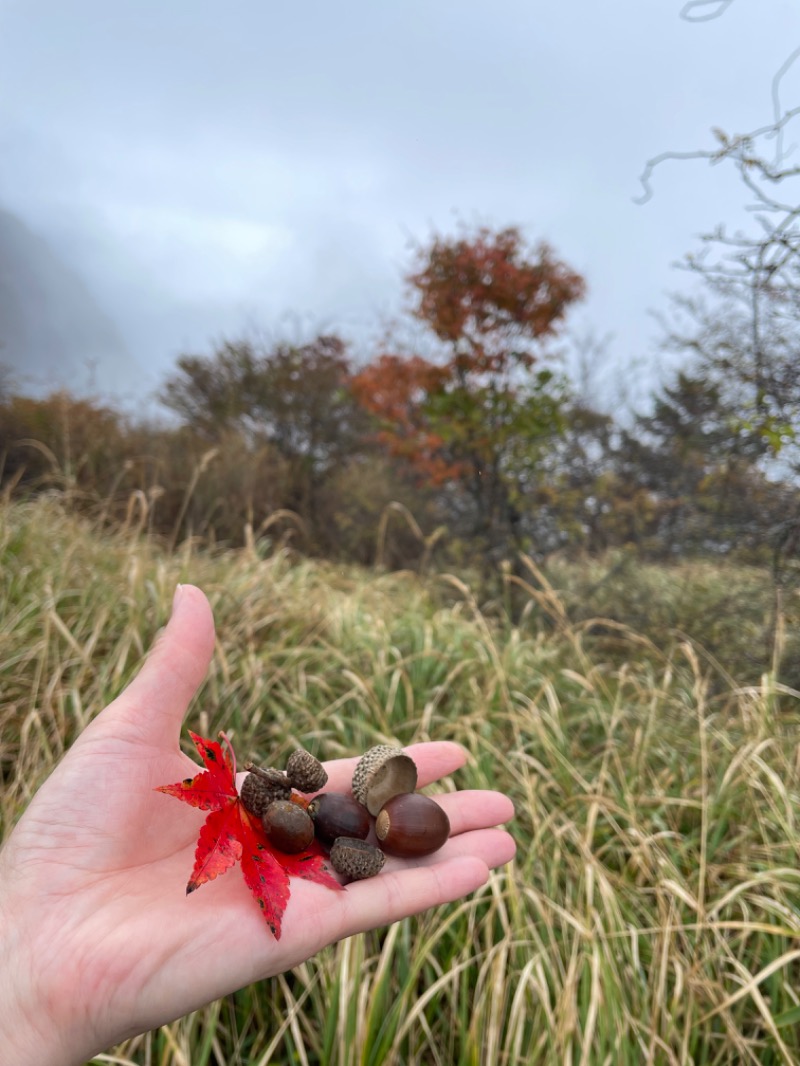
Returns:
point(396, 391)
point(477, 416)
point(491, 299)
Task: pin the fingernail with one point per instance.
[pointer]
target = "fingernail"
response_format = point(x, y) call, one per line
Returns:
point(177, 596)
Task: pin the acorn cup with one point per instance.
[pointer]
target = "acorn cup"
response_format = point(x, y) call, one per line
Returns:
point(382, 772)
point(262, 787)
point(305, 773)
point(356, 858)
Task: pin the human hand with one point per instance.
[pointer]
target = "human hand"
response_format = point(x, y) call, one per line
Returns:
point(98, 939)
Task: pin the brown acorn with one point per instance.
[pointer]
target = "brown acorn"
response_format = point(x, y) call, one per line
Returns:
point(382, 772)
point(411, 825)
point(356, 858)
point(305, 773)
point(262, 787)
point(288, 826)
point(336, 815)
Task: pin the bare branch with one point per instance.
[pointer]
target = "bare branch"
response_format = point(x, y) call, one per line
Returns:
point(741, 149)
point(656, 161)
point(719, 8)
point(779, 122)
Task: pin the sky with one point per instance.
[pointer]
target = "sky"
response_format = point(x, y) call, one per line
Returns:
point(260, 168)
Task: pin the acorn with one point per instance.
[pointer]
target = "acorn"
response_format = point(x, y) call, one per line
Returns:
point(411, 825)
point(288, 826)
point(382, 772)
point(305, 773)
point(336, 815)
point(262, 787)
point(356, 858)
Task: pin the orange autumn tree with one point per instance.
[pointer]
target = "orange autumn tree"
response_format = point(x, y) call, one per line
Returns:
point(477, 417)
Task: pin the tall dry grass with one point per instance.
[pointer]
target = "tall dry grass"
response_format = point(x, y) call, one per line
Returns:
point(653, 913)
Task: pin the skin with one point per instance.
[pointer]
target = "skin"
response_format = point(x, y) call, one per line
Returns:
point(98, 940)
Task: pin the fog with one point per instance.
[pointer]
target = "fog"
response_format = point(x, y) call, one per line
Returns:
point(267, 168)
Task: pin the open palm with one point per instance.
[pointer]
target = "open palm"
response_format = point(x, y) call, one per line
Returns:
point(93, 913)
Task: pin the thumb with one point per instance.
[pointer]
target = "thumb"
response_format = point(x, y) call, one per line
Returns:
point(153, 706)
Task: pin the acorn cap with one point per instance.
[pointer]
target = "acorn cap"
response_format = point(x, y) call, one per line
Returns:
point(382, 772)
point(356, 859)
point(305, 773)
point(262, 787)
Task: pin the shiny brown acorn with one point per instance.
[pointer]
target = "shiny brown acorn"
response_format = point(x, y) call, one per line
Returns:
point(288, 826)
point(411, 825)
point(336, 815)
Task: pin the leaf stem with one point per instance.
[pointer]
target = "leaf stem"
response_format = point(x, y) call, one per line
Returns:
point(226, 741)
point(272, 775)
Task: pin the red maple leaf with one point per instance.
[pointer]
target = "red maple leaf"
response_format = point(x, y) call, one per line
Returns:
point(230, 835)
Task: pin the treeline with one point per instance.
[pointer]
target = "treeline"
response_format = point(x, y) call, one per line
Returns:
point(474, 453)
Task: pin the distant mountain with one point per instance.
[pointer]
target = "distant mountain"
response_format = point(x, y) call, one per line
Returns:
point(52, 332)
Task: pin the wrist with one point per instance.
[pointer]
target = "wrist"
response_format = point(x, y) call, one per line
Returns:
point(26, 1030)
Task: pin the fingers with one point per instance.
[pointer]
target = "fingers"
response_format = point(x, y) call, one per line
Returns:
point(154, 704)
point(456, 870)
point(495, 847)
point(475, 809)
point(467, 809)
point(473, 816)
point(434, 759)
point(398, 894)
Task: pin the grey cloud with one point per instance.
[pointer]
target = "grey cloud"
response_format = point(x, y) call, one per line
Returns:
point(203, 165)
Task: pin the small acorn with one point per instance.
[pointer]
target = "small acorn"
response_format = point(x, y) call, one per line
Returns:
point(411, 825)
point(336, 815)
point(382, 772)
point(288, 826)
point(356, 858)
point(305, 773)
point(262, 787)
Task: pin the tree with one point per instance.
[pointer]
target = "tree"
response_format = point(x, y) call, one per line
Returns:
point(473, 422)
point(214, 394)
point(743, 336)
point(742, 330)
point(302, 397)
point(6, 381)
point(697, 465)
point(294, 398)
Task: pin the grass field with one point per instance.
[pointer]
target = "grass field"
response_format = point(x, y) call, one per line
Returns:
point(653, 912)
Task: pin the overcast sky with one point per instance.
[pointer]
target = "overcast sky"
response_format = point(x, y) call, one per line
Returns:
point(214, 168)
